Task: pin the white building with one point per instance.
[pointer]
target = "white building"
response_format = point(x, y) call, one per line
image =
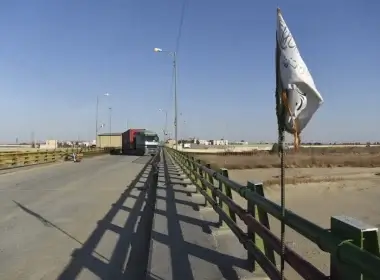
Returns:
point(49, 145)
point(221, 142)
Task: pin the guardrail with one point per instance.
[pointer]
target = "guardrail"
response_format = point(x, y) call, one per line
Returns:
point(10, 159)
point(353, 246)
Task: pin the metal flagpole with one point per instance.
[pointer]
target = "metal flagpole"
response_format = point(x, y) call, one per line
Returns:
point(291, 101)
point(280, 111)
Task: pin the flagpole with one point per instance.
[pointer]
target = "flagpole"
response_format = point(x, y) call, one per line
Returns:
point(282, 182)
point(297, 98)
point(280, 110)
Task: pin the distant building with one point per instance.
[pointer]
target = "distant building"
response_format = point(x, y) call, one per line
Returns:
point(49, 145)
point(204, 142)
point(221, 142)
point(106, 140)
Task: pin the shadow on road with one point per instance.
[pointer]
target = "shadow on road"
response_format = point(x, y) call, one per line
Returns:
point(132, 245)
point(180, 249)
point(130, 257)
point(47, 223)
point(142, 160)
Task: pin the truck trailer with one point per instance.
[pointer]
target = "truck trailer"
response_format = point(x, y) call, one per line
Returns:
point(140, 142)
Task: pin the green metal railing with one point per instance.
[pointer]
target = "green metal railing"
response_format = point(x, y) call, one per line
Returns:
point(23, 158)
point(353, 245)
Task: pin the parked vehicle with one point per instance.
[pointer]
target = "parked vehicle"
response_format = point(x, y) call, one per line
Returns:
point(140, 142)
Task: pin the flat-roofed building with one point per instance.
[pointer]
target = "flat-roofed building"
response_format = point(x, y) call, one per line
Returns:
point(106, 140)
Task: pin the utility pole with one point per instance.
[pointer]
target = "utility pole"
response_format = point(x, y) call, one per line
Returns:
point(165, 130)
point(174, 55)
point(175, 100)
point(110, 121)
point(96, 117)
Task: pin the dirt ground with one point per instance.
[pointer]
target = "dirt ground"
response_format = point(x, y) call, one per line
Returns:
point(305, 157)
point(271, 176)
point(320, 183)
point(355, 194)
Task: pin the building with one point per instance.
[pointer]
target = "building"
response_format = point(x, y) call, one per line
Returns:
point(49, 145)
point(106, 140)
point(221, 142)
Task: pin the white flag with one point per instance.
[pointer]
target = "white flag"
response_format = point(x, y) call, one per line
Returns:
point(303, 99)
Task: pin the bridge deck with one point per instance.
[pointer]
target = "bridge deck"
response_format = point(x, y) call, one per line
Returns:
point(186, 239)
point(100, 219)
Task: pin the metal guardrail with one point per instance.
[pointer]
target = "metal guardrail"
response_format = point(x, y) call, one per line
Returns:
point(24, 158)
point(353, 246)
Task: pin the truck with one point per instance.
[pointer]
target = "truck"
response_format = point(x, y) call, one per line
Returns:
point(140, 142)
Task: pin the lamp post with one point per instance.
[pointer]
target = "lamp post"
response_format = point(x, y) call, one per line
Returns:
point(97, 115)
point(110, 122)
point(184, 131)
point(166, 122)
point(174, 56)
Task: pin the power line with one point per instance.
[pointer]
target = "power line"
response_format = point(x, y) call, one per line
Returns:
point(184, 6)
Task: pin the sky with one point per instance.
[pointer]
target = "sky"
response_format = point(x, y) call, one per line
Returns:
point(57, 56)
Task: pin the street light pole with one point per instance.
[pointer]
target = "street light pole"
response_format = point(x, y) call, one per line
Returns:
point(166, 122)
point(110, 121)
point(175, 99)
point(183, 133)
point(96, 118)
point(97, 115)
point(174, 55)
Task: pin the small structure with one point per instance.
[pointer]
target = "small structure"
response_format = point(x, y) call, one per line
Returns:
point(49, 145)
point(108, 140)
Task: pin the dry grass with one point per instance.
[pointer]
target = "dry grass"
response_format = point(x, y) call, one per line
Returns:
point(306, 157)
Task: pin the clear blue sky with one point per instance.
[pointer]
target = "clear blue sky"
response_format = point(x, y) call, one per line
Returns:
point(56, 56)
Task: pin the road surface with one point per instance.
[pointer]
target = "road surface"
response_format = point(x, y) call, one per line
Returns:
point(106, 218)
point(49, 211)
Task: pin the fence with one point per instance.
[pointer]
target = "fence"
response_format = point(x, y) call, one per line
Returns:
point(9, 159)
point(352, 245)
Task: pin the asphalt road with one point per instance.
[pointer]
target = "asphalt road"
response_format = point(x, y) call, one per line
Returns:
point(112, 217)
point(49, 212)
point(186, 242)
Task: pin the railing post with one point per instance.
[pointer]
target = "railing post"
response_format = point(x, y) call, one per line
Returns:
point(211, 180)
point(193, 170)
point(201, 184)
point(188, 164)
point(362, 235)
point(199, 171)
point(226, 190)
point(262, 216)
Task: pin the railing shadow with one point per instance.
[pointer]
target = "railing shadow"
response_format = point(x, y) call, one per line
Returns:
point(130, 241)
point(180, 249)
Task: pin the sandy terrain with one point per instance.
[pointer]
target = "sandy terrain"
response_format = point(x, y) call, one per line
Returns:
point(357, 194)
point(305, 157)
point(270, 176)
